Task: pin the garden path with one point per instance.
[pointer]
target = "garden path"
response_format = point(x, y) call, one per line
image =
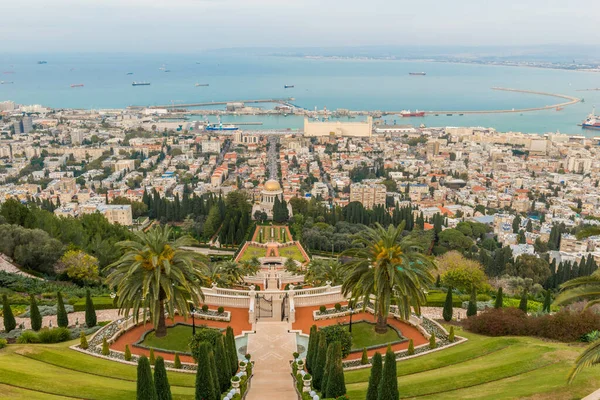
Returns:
point(271, 348)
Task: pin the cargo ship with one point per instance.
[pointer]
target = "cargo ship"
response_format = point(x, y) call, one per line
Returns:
point(6, 82)
point(592, 121)
point(288, 86)
point(42, 62)
point(408, 113)
point(129, 73)
point(140, 84)
point(201, 84)
point(221, 127)
point(77, 85)
point(417, 73)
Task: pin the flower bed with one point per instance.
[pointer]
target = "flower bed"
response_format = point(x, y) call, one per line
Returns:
point(213, 315)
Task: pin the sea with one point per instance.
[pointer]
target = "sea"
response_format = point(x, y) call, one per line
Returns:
point(318, 83)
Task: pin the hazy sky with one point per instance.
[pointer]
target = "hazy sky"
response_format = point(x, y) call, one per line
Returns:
point(192, 25)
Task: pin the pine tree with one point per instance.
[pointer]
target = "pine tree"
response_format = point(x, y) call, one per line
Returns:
point(83, 343)
point(388, 385)
point(223, 366)
point(411, 347)
point(34, 314)
point(312, 344)
point(320, 359)
point(177, 362)
point(547, 302)
point(375, 377)
point(499, 299)
point(90, 312)
point(472, 308)
point(523, 302)
point(432, 342)
point(161, 381)
point(205, 389)
point(364, 360)
point(231, 350)
point(9, 318)
point(127, 354)
point(145, 386)
point(62, 319)
point(336, 385)
point(447, 312)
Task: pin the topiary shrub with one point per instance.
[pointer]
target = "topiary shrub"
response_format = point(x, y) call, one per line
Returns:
point(28, 337)
point(388, 385)
point(337, 306)
point(375, 377)
point(161, 381)
point(451, 334)
point(62, 319)
point(34, 314)
point(127, 354)
point(90, 311)
point(7, 315)
point(204, 308)
point(411, 347)
point(204, 381)
point(339, 333)
point(472, 307)
point(83, 343)
point(223, 365)
point(335, 385)
point(364, 360)
point(105, 348)
point(319, 360)
point(312, 345)
point(322, 309)
point(432, 343)
point(523, 302)
point(177, 362)
point(499, 299)
point(145, 386)
point(231, 350)
point(151, 357)
point(447, 311)
point(220, 310)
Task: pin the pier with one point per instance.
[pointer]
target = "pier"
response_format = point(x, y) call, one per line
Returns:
point(220, 103)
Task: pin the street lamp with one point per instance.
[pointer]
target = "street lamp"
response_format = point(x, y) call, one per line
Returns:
point(192, 311)
point(351, 312)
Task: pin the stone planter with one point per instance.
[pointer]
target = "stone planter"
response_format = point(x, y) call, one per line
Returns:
point(243, 366)
point(307, 384)
point(300, 364)
point(235, 385)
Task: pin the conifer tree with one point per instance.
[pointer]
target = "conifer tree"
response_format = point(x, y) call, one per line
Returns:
point(312, 344)
point(34, 314)
point(364, 360)
point(451, 334)
point(223, 367)
point(62, 320)
point(388, 385)
point(8, 317)
point(231, 350)
point(432, 343)
point(161, 381)
point(523, 302)
point(328, 361)
point(177, 361)
point(411, 347)
point(145, 386)
point(83, 343)
point(205, 389)
point(152, 358)
point(472, 308)
point(375, 377)
point(90, 312)
point(448, 310)
point(106, 349)
point(127, 354)
point(320, 360)
point(499, 299)
point(212, 364)
point(547, 302)
point(335, 384)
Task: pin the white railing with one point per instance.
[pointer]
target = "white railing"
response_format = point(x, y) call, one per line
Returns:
point(316, 290)
point(319, 299)
point(226, 300)
point(292, 279)
point(231, 292)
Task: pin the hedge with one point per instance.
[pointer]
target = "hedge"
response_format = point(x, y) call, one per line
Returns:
point(100, 303)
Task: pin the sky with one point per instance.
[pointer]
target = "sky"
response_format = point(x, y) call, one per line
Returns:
point(194, 25)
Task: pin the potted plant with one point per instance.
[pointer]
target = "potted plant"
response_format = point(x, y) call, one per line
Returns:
point(248, 356)
point(243, 366)
point(306, 381)
point(235, 383)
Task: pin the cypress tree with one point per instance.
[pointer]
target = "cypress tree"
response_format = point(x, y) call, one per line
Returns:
point(320, 359)
point(375, 377)
point(9, 318)
point(127, 354)
point(145, 386)
point(523, 302)
point(231, 350)
point(432, 343)
point(547, 302)
point(62, 319)
point(411, 347)
point(312, 345)
point(152, 358)
point(336, 385)
point(326, 370)
point(447, 312)
point(205, 389)
point(34, 314)
point(499, 299)
point(223, 367)
point(451, 334)
point(388, 385)
point(90, 312)
point(364, 360)
point(472, 308)
point(177, 361)
point(214, 373)
point(438, 282)
point(161, 381)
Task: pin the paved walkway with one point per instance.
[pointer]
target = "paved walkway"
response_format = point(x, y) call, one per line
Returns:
point(6, 265)
point(271, 348)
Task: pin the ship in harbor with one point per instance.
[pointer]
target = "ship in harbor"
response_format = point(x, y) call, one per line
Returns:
point(201, 84)
point(42, 62)
point(129, 73)
point(140, 84)
point(6, 82)
point(408, 113)
point(74, 85)
point(417, 73)
point(288, 86)
point(592, 121)
point(221, 127)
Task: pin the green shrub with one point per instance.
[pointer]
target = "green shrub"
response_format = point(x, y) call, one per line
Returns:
point(55, 335)
point(447, 311)
point(9, 319)
point(204, 380)
point(34, 314)
point(220, 310)
point(62, 319)
point(161, 381)
point(231, 350)
point(90, 311)
point(100, 303)
point(364, 360)
point(3, 343)
point(152, 358)
point(145, 386)
point(337, 306)
point(322, 309)
point(204, 307)
point(335, 385)
point(127, 354)
point(177, 362)
point(203, 334)
point(432, 343)
point(28, 337)
point(388, 385)
point(105, 348)
point(339, 333)
point(451, 334)
point(499, 299)
point(411, 347)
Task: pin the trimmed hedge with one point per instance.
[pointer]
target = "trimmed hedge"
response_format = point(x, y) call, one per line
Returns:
point(100, 303)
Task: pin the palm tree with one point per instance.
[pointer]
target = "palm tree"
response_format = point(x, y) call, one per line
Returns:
point(321, 271)
point(389, 267)
point(155, 274)
point(586, 288)
point(250, 267)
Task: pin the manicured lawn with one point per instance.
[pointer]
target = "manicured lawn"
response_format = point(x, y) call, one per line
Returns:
point(484, 368)
point(364, 335)
point(292, 252)
point(57, 372)
point(177, 339)
point(252, 251)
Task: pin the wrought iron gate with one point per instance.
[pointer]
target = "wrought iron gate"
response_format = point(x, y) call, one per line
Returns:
point(264, 307)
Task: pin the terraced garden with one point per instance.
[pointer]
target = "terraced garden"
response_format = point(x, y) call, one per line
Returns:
point(484, 368)
point(253, 251)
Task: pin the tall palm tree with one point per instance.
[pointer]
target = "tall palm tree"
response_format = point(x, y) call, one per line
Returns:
point(322, 271)
point(389, 267)
point(250, 267)
point(155, 274)
point(586, 288)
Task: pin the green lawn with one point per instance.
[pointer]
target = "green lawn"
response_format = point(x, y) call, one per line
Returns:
point(364, 335)
point(484, 368)
point(56, 372)
point(177, 339)
point(252, 251)
point(292, 252)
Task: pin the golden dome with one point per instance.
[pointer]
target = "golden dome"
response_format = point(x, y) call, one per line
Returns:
point(272, 186)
